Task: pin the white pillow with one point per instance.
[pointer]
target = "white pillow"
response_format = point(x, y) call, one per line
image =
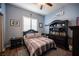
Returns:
point(37, 34)
point(30, 35)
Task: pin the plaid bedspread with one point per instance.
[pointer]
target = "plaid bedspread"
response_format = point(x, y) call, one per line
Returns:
point(37, 46)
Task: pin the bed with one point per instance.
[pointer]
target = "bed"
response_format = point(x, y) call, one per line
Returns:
point(36, 43)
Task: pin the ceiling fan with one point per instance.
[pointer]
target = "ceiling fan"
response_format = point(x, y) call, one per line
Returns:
point(49, 4)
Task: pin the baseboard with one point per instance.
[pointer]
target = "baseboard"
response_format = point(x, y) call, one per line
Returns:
point(5, 48)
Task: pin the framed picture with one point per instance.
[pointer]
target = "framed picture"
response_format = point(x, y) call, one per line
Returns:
point(40, 25)
point(77, 21)
point(12, 22)
point(17, 23)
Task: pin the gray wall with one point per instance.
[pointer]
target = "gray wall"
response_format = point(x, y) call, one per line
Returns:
point(13, 12)
point(71, 11)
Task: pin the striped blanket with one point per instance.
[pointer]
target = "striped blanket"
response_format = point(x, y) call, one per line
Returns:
point(37, 46)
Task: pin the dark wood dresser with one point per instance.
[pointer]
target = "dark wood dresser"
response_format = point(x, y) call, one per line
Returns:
point(75, 48)
point(58, 31)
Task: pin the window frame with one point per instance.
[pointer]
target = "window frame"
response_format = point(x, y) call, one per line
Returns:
point(30, 23)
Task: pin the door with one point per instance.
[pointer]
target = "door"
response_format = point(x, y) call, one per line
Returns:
point(0, 33)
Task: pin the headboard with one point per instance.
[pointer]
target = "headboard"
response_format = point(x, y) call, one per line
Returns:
point(29, 31)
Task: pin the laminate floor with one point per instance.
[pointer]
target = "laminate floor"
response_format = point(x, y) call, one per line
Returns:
point(22, 51)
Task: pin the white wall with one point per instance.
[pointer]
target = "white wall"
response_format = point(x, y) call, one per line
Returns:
point(71, 11)
point(16, 13)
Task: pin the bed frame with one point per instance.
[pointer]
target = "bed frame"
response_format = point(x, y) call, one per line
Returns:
point(29, 31)
point(26, 32)
point(33, 31)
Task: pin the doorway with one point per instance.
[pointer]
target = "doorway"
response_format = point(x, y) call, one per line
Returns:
point(1, 30)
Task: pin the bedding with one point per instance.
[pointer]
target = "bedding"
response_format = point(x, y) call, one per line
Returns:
point(38, 45)
point(37, 34)
point(30, 35)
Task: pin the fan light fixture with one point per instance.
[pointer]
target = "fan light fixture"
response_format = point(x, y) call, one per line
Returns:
point(43, 4)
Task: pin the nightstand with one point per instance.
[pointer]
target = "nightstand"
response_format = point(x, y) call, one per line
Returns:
point(16, 42)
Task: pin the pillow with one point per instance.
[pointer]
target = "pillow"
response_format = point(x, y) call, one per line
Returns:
point(30, 35)
point(37, 34)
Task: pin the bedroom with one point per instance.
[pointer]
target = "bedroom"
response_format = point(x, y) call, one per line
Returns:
point(41, 18)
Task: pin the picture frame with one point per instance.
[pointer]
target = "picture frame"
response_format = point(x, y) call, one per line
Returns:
point(40, 25)
point(11, 22)
point(77, 21)
point(17, 23)
point(14, 22)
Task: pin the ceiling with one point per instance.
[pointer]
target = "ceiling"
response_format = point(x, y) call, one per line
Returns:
point(35, 7)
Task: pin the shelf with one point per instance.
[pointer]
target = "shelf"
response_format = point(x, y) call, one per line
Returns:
point(58, 31)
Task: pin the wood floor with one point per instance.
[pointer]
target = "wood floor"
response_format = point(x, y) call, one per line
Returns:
point(22, 51)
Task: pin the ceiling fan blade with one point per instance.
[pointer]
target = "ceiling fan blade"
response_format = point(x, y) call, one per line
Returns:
point(49, 4)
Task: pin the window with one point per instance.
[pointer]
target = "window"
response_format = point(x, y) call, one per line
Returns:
point(29, 23)
point(34, 24)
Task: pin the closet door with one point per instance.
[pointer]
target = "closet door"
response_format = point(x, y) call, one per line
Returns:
point(0, 33)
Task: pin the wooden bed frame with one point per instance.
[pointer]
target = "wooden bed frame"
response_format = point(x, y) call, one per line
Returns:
point(29, 31)
point(26, 32)
point(33, 31)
